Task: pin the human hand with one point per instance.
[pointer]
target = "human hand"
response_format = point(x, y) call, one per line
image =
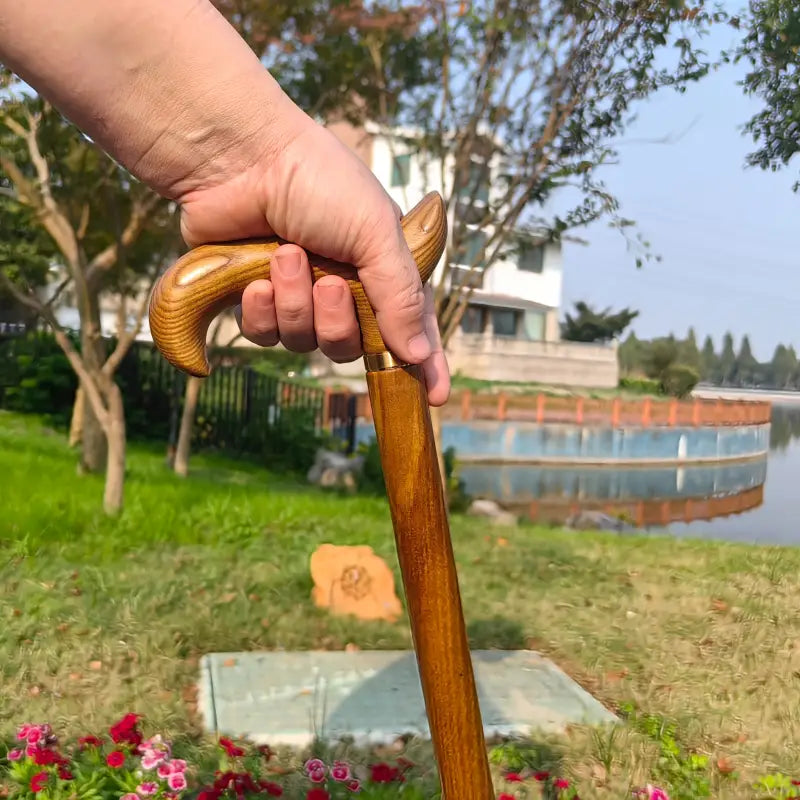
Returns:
point(316, 193)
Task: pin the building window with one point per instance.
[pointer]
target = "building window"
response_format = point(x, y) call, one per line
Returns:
point(531, 258)
point(505, 321)
point(533, 325)
point(474, 319)
point(471, 250)
point(468, 278)
point(475, 183)
point(401, 170)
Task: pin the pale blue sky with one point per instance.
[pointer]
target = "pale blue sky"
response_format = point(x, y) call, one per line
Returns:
point(729, 235)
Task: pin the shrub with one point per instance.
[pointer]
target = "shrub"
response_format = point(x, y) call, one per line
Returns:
point(679, 380)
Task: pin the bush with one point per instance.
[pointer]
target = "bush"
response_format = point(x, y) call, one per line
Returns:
point(292, 443)
point(36, 378)
point(679, 380)
point(640, 385)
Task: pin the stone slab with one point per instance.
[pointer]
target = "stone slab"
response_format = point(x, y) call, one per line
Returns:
point(375, 696)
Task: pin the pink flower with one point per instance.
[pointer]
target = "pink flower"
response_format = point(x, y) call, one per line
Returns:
point(164, 771)
point(22, 732)
point(340, 771)
point(317, 775)
point(177, 781)
point(513, 777)
point(354, 785)
point(147, 788)
point(115, 759)
point(14, 755)
point(561, 783)
point(177, 765)
point(655, 793)
point(130, 796)
point(34, 734)
point(314, 764)
point(151, 759)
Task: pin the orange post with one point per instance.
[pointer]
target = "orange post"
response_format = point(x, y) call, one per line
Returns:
point(466, 398)
point(615, 411)
point(696, 409)
point(579, 411)
point(673, 412)
point(501, 406)
point(647, 405)
point(540, 401)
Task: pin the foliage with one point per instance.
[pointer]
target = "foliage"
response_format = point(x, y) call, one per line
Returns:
point(36, 378)
point(589, 325)
point(678, 380)
point(770, 47)
point(640, 385)
point(687, 774)
point(293, 442)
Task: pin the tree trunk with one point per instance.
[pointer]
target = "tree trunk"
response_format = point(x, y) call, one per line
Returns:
point(93, 438)
point(184, 445)
point(76, 423)
point(115, 460)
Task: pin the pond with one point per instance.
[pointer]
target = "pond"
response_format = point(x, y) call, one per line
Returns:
point(748, 501)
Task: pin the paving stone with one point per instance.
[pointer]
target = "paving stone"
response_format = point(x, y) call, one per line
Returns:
point(375, 696)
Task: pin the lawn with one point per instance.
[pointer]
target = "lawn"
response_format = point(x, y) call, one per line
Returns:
point(102, 616)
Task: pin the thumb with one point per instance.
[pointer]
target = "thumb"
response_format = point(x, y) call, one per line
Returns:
point(391, 280)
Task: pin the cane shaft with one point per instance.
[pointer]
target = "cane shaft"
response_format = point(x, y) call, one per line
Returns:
point(425, 552)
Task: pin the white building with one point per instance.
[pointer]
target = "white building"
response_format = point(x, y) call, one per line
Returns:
point(510, 329)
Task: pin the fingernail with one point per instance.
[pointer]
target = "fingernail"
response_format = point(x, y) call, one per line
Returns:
point(420, 347)
point(288, 263)
point(263, 299)
point(330, 295)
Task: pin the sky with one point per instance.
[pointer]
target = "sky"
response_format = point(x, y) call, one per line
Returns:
point(729, 235)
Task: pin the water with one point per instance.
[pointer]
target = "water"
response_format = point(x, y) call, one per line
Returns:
point(751, 501)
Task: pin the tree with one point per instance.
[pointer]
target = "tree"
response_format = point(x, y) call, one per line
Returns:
point(727, 361)
point(709, 366)
point(770, 46)
point(783, 367)
point(746, 366)
point(689, 352)
point(589, 325)
point(531, 100)
point(99, 231)
point(630, 354)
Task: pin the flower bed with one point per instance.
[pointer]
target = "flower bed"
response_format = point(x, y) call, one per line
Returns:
point(124, 765)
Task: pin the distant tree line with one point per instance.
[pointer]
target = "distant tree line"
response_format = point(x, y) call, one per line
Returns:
point(728, 366)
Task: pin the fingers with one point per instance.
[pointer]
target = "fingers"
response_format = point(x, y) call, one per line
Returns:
point(288, 309)
point(335, 321)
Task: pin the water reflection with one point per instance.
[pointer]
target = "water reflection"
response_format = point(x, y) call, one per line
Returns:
point(754, 501)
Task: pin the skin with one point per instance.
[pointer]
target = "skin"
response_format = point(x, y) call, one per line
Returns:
point(172, 92)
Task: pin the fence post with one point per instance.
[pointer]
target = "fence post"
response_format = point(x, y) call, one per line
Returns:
point(326, 408)
point(673, 412)
point(647, 405)
point(615, 411)
point(579, 411)
point(466, 397)
point(696, 409)
point(540, 401)
point(501, 406)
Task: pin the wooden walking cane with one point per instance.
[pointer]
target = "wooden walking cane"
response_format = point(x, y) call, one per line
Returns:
point(212, 277)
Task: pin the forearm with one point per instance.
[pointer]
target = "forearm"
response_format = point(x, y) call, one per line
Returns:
point(167, 87)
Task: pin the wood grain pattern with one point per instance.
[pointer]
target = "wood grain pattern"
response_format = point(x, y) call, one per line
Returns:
point(419, 515)
point(212, 277)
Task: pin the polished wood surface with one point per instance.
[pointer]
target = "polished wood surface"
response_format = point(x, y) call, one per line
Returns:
point(212, 277)
point(419, 515)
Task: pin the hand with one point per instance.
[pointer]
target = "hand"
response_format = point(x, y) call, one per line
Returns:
point(316, 193)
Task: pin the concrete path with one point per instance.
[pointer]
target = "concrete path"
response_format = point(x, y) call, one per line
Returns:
point(375, 696)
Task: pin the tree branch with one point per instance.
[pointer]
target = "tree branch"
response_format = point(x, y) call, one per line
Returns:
point(140, 214)
point(73, 356)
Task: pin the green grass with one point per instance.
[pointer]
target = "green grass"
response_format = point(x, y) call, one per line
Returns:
point(100, 616)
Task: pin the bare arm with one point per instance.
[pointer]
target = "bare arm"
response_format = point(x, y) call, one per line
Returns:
point(161, 86)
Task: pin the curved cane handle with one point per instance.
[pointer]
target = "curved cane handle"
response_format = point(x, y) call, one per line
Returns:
point(212, 277)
